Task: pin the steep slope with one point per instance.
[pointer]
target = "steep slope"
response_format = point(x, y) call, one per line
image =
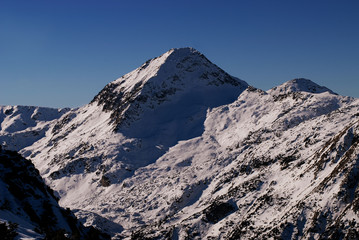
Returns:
point(28, 202)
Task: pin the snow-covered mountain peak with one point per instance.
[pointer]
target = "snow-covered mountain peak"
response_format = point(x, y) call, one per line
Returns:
point(174, 59)
point(167, 79)
point(299, 85)
point(170, 66)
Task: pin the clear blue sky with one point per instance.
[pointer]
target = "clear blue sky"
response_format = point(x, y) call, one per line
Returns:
point(62, 53)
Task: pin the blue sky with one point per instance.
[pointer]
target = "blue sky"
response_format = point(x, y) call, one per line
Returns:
point(62, 53)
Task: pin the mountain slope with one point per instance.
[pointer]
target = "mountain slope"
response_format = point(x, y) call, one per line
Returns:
point(28, 202)
point(263, 168)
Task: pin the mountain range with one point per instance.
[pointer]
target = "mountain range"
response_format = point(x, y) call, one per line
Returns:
point(180, 149)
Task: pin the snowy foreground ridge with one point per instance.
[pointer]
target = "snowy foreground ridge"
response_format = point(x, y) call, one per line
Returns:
point(179, 149)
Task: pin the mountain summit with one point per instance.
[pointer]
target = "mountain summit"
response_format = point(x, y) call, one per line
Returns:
point(182, 78)
point(299, 85)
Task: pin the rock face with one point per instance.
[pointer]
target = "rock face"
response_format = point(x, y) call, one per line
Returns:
point(26, 201)
point(179, 149)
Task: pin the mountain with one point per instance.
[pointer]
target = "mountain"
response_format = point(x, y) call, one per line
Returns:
point(31, 206)
point(179, 149)
point(129, 124)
